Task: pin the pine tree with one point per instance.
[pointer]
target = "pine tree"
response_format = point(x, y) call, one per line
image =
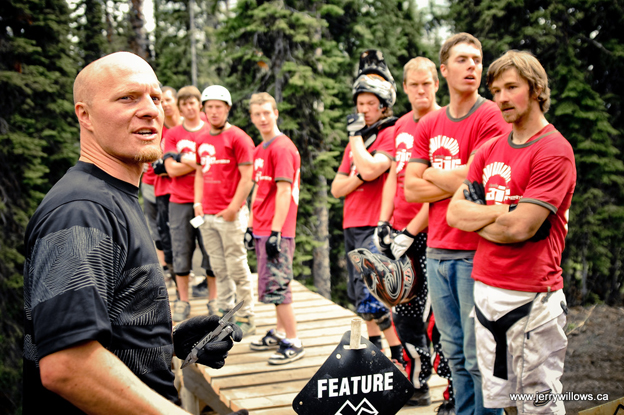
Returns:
point(580, 46)
point(38, 142)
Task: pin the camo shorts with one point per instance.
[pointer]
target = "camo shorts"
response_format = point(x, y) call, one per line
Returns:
point(275, 274)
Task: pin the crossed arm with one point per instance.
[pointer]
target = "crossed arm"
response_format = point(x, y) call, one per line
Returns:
point(494, 222)
point(425, 184)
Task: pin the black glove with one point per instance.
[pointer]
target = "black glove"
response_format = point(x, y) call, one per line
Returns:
point(273, 244)
point(542, 233)
point(249, 240)
point(377, 127)
point(382, 238)
point(355, 122)
point(159, 167)
point(188, 333)
point(475, 193)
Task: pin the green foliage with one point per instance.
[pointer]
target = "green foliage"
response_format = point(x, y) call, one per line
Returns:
point(571, 43)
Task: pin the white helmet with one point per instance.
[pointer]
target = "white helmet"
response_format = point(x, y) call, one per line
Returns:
point(216, 92)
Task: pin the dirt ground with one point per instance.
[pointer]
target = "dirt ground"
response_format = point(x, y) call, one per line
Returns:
point(595, 357)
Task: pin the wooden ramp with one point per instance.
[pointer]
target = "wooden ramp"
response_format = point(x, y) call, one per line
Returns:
point(248, 381)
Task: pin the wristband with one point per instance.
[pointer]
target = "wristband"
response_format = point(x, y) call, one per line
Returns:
point(196, 204)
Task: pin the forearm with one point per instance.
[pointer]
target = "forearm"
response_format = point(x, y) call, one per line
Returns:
point(420, 221)
point(282, 206)
point(447, 180)
point(343, 185)
point(507, 229)
point(418, 190)
point(242, 191)
point(368, 166)
point(175, 169)
point(199, 193)
point(470, 217)
point(389, 191)
point(96, 381)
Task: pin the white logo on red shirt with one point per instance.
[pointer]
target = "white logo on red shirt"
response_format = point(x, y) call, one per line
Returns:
point(258, 165)
point(496, 190)
point(186, 146)
point(295, 188)
point(444, 153)
point(404, 143)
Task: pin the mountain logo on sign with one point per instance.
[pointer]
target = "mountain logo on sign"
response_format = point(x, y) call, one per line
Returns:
point(363, 408)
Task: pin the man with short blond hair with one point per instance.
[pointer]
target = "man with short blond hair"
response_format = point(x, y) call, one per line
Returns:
point(516, 197)
point(443, 146)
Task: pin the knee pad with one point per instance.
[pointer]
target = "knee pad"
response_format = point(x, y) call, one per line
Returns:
point(383, 319)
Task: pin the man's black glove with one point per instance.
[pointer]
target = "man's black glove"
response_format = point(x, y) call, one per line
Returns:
point(377, 127)
point(542, 233)
point(382, 238)
point(355, 122)
point(249, 240)
point(188, 333)
point(475, 193)
point(273, 247)
point(159, 167)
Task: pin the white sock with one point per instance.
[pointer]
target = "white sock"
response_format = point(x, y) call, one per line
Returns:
point(295, 342)
point(280, 334)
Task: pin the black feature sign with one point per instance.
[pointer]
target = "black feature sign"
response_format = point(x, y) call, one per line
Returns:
point(353, 382)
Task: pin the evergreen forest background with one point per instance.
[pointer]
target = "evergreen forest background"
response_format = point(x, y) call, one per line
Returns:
point(305, 52)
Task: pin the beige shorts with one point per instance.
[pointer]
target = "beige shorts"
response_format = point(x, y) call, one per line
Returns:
point(532, 361)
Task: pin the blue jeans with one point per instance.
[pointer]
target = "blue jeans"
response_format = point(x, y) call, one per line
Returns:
point(451, 290)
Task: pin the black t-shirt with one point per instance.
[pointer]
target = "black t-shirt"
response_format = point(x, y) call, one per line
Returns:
point(91, 273)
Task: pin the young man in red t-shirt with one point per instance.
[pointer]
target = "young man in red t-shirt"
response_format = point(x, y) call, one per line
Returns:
point(517, 197)
point(222, 184)
point(408, 223)
point(443, 144)
point(272, 226)
point(180, 162)
point(360, 179)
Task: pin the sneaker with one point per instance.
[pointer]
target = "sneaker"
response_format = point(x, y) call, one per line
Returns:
point(447, 408)
point(212, 307)
point(247, 324)
point(181, 310)
point(269, 341)
point(421, 397)
point(286, 353)
point(201, 289)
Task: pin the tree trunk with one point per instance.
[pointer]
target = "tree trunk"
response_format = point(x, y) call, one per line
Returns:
point(138, 38)
point(320, 267)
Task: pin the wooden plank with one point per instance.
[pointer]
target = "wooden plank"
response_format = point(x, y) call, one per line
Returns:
point(263, 402)
point(241, 381)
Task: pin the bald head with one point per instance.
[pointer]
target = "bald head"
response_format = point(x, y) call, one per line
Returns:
point(103, 70)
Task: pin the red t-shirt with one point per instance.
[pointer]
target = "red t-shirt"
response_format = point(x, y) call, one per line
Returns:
point(541, 171)
point(277, 160)
point(447, 143)
point(162, 183)
point(363, 205)
point(180, 140)
point(149, 177)
point(220, 155)
point(404, 131)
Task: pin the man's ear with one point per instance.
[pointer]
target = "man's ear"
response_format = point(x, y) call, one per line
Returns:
point(443, 69)
point(83, 115)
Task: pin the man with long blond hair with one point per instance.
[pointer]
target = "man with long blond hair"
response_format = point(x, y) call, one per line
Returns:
point(516, 197)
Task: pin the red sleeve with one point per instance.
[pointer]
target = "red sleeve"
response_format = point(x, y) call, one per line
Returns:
point(420, 151)
point(551, 175)
point(386, 142)
point(170, 141)
point(284, 162)
point(492, 124)
point(243, 148)
point(345, 165)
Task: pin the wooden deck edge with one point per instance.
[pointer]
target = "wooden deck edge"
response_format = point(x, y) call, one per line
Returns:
point(197, 384)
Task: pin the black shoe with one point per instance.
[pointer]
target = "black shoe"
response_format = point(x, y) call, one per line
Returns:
point(447, 408)
point(201, 289)
point(286, 353)
point(421, 397)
